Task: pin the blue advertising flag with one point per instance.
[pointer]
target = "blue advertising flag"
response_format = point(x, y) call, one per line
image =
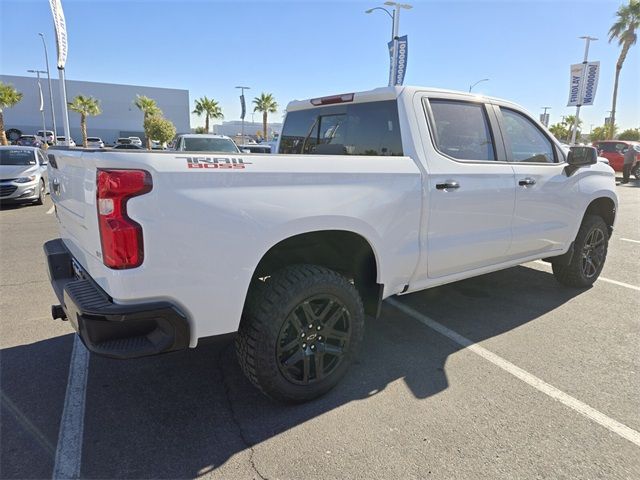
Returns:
point(402, 54)
point(243, 106)
point(391, 75)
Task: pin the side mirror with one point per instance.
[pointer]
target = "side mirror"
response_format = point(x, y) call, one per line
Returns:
point(246, 150)
point(580, 156)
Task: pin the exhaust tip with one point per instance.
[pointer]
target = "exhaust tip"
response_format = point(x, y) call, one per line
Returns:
point(57, 312)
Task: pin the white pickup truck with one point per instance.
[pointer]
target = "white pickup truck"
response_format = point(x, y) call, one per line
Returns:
point(374, 194)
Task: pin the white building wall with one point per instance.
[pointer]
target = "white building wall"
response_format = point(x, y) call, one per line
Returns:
point(119, 115)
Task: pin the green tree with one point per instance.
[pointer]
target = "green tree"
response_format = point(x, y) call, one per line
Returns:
point(266, 104)
point(623, 30)
point(85, 106)
point(200, 130)
point(209, 108)
point(149, 108)
point(159, 128)
point(599, 133)
point(568, 124)
point(559, 130)
point(630, 134)
point(9, 96)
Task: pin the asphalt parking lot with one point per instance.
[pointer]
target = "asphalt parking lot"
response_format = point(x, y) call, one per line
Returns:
point(508, 375)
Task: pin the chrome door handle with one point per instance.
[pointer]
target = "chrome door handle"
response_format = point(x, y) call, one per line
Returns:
point(448, 185)
point(526, 182)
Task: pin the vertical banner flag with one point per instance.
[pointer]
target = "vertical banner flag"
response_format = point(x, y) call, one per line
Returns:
point(575, 86)
point(41, 99)
point(544, 119)
point(391, 75)
point(590, 83)
point(61, 31)
point(401, 59)
point(243, 107)
point(583, 85)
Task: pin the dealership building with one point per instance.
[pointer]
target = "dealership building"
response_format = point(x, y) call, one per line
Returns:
point(119, 117)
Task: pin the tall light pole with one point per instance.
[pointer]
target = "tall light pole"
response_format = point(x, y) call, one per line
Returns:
point(588, 40)
point(244, 108)
point(44, 126)
point(53, 113)
point(395, 27)
point(479, 81)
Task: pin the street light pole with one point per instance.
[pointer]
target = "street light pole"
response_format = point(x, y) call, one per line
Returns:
point(242, 89)
point(584, 73)
point(44, 126)
point(395, 27)
point(53, 112)
point(479, 81)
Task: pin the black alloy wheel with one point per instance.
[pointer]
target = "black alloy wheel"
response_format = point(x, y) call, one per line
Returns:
point(593, 253)
point(313, 339)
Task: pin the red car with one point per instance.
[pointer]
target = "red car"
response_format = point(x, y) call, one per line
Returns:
point(613, 150)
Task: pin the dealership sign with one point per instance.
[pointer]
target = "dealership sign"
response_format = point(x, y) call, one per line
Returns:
point(399, 66)
point(61, 31)
point(583, 84)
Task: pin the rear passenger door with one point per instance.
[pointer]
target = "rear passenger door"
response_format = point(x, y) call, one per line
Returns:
point(545, 214)
point(470, 191)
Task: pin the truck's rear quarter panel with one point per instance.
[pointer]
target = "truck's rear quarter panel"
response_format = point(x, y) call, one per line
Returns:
point(206, 229)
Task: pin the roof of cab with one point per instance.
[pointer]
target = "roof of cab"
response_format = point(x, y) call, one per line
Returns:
point(392, 93)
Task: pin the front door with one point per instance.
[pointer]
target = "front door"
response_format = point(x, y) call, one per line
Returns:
point(544, 215)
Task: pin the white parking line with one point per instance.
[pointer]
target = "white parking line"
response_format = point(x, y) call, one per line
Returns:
point(69, 449)
point(51, 210)
point(629, 240)
point(600, 279)
point(582, 408)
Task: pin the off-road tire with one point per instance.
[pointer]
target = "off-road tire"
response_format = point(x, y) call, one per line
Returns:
point(573, 274)
point(267, 309)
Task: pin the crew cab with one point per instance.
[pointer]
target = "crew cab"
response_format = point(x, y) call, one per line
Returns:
point(372, 194)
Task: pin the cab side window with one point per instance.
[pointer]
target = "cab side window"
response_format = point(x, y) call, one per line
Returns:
point(462, 130)
point(525, 141)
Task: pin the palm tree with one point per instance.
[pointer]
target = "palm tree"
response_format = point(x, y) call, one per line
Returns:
point(266, 104)
point(85, 106)
point(149, 108)
point(568, 123)
point(9, 96)
point(624, 30)
point(210, 108)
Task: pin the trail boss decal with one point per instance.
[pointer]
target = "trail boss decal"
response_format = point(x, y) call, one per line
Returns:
point(216, 162)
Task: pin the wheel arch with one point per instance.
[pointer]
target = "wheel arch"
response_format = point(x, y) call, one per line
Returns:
point(344, 251)
point(605, 207)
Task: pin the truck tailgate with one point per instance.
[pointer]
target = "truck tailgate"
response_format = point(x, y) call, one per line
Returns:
point(72, 180)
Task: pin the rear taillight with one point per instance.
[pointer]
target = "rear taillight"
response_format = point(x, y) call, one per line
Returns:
point(121, 237)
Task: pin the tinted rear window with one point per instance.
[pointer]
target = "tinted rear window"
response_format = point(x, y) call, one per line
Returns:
point(353, 129)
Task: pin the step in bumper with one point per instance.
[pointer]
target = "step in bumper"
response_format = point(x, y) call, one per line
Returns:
point(107, 328)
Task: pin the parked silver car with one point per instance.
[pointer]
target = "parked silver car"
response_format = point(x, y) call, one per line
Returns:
point(23, 174)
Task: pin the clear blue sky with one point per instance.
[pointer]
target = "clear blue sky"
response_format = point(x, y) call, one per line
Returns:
point(301, 49)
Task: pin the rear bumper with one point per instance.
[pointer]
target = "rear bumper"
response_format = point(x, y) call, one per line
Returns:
point(107, 328)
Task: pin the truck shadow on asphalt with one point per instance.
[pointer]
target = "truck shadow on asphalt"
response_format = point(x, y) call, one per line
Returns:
point(184, 414)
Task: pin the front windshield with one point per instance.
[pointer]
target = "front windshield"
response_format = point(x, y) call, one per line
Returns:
point(17, 157)
point(209, 145)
